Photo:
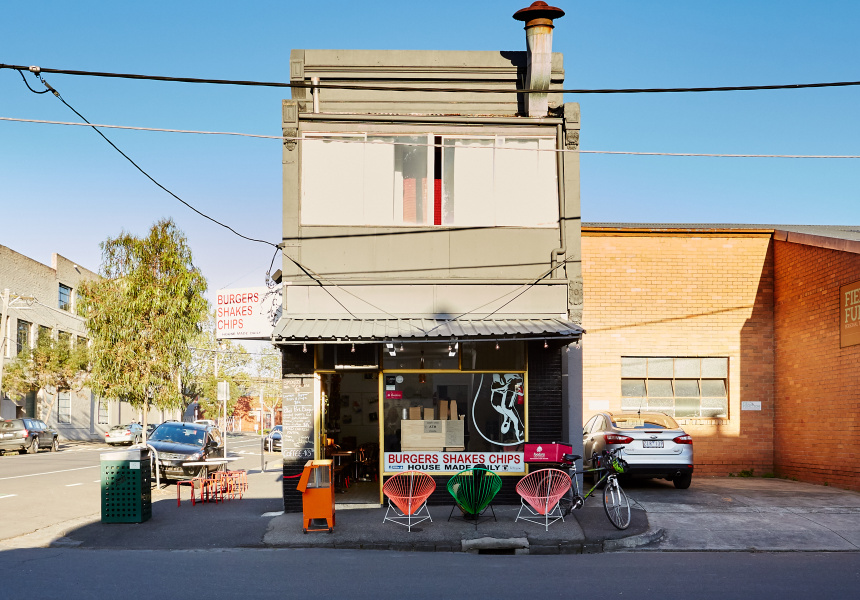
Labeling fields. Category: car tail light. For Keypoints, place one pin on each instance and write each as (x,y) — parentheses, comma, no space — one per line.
(26,433)
(614,438)
(683,439)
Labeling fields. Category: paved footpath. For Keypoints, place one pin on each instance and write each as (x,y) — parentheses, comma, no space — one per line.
(744,514)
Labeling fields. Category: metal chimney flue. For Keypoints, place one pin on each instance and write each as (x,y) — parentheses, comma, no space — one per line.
(538,19)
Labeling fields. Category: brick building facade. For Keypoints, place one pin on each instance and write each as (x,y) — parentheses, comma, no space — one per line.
(764,299)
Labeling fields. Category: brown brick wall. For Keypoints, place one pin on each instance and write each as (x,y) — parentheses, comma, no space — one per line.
(817,419)
(685,296)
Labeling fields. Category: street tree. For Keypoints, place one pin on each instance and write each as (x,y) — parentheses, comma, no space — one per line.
(52,365)
(142,315)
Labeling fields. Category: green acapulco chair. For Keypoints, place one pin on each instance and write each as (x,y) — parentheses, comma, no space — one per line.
(473,491)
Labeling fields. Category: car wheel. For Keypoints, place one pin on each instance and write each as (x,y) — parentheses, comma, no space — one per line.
(34,446)
(55,445)
(137,440)
(682,482)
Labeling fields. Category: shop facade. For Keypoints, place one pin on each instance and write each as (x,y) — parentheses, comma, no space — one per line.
(432,284)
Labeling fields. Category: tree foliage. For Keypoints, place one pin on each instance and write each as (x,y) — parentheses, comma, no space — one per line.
(52,365)
(142,315)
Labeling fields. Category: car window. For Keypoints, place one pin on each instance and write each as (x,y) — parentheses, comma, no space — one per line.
(179,434)
(5,424)
(598,424)
(587,427)
(42,425)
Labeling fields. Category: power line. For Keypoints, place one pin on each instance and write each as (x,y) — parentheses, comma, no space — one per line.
(347,140)
(341,86)
(153,180)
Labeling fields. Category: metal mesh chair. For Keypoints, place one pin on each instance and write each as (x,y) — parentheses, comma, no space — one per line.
(539,495)
(473,491)
(407,496)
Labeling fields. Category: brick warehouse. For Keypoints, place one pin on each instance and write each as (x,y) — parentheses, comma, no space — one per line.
(768,301)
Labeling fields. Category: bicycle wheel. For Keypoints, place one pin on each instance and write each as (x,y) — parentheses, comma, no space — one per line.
(616,504)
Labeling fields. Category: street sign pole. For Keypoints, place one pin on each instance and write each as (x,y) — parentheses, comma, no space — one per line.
(223,395)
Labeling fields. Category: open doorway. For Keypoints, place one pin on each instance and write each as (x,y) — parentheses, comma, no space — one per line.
(350,434)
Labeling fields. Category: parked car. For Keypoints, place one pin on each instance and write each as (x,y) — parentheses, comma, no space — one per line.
(130,433)
(179,443)
(27,435)
(150,427)
(273,438)
(652,443)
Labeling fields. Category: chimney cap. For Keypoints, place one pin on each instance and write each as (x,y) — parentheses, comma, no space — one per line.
(538,10)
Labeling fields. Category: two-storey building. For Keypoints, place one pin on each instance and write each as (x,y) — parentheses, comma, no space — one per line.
(431,272)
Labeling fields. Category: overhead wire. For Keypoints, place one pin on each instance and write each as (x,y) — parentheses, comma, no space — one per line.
(348,140)
(394,88)
(153,180)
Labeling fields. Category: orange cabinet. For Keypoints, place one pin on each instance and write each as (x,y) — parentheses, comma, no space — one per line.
(317,495)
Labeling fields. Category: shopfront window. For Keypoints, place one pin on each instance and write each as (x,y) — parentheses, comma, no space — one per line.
(471,412)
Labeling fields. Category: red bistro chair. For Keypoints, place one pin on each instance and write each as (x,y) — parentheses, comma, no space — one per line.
(407,496)
(539,495)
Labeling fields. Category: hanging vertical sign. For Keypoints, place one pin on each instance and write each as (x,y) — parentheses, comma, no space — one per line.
(849,314)
(297,437)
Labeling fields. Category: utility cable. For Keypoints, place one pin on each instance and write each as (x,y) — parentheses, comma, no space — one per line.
(422,144)
(341,86)
(152,179)
(138,167)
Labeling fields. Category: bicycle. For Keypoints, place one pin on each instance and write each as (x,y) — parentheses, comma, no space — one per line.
(615,501)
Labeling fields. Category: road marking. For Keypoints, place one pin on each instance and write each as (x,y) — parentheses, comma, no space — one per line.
(73,484)
(12,495)
(277,513)
(49,472)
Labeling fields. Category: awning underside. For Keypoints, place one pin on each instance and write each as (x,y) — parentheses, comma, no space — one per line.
(379,330)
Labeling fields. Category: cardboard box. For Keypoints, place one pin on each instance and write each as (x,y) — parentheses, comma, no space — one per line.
(452,407)
(443,410)
(422,435)
(415,413)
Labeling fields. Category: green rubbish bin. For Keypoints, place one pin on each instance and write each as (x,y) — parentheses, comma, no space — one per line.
(125,490)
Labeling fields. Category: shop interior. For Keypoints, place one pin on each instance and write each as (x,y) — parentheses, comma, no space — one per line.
(350,434)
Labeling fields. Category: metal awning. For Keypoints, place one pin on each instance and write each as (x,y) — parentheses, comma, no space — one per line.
(378,330)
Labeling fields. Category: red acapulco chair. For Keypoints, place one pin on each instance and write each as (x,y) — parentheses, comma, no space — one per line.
(540,492)
(407,496)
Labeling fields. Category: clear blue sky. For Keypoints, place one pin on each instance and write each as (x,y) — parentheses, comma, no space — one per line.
(62,189)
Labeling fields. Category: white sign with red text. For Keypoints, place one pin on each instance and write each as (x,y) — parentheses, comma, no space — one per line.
(247,313)
(452,462)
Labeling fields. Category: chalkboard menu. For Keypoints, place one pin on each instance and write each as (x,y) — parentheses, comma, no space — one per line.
(297,439)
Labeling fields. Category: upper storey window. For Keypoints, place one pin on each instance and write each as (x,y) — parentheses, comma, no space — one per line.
(65,297)
(426,180)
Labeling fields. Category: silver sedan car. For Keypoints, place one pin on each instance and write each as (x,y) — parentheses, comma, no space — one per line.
(653,444)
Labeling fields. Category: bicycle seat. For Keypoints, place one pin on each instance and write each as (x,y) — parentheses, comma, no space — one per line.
(571,457)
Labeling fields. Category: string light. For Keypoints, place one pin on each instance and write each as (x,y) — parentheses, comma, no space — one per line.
(305,348)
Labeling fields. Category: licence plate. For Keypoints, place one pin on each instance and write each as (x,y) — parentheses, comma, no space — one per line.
(652,443)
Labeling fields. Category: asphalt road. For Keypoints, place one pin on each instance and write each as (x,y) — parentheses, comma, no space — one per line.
(44,489)
(357,574)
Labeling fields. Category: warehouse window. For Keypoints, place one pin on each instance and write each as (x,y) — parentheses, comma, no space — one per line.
(64,407)
(23,335)
(103,412)
(682,387)
(65,296)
